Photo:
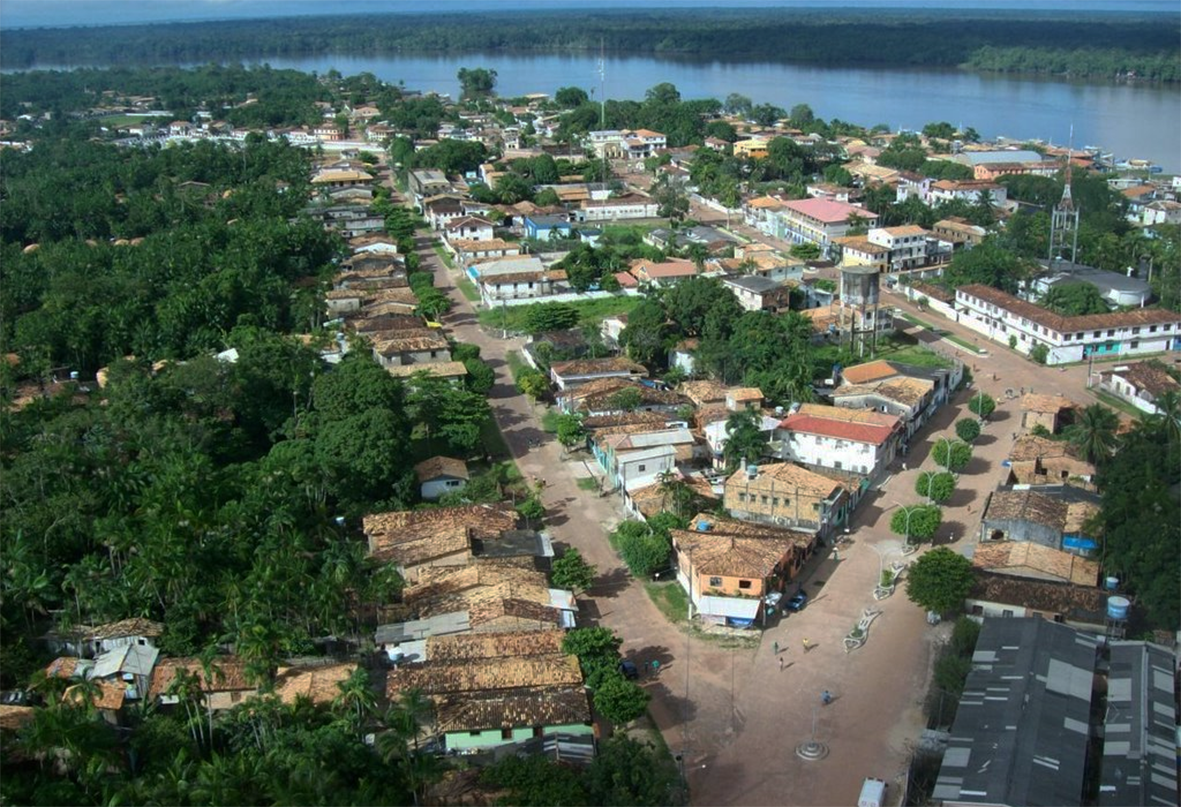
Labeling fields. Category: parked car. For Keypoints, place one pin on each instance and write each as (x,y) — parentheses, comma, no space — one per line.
(873,793)
(797,601)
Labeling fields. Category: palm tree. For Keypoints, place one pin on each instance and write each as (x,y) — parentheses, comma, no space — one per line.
(1167,416)
(356,699)
(1093,434)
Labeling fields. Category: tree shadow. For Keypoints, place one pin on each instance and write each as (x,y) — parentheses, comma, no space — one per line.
(984,440)
(608,584)
(977,465)
(961,497)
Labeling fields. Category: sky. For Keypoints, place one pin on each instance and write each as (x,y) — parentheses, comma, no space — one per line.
(36,13)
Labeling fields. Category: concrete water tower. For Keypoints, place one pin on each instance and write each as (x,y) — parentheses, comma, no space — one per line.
(860,295)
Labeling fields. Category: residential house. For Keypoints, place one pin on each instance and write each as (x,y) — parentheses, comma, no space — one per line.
(1053,516)
(570,374)
(858,250)
(222,683)
(469,228)
(382,244)
(627,143)
(543,349)
(417,540)
(760,260)
(441,211)
(1009,596)
(1066,339)
(666,273)
(453,372)
(496,595)
(1162,211)
(819,221)
(1037,460)
(729,567)
(1139,726)
(641,467)
(762,212)
(1141,384)
(628,206)
(492,694)
(469,252)
(911,392)
(681,356)
(541,227)
(441,475)
(412,347)
(714,240)
(856,441)
(128,667)
(967,190)
(426,182)
(906,245)
(752,148)
(601,397)
(339,178)
(501,285)
(348,220)
(959,231)
(1030,561)
(1051,412)
(716,436)
(787,495)
(319,684)
(1021,731)
(756,293)
(645,501)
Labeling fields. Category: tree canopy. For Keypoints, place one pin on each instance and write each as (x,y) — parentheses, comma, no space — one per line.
(940,580)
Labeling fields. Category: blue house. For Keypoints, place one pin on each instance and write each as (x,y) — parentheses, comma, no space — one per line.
(542,228)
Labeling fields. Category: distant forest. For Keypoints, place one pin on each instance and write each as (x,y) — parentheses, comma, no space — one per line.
(1083,45)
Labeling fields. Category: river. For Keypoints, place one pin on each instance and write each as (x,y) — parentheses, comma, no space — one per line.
(1128,119)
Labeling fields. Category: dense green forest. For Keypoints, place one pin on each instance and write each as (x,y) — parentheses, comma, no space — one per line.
(1092,45)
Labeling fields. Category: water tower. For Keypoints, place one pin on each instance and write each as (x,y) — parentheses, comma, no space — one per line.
(860,295)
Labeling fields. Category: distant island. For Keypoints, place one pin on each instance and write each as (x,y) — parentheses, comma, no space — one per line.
(1087,45)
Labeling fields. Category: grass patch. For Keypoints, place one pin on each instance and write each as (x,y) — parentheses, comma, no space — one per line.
(587,483)
(1115,403)
(515,363)
(549,420)
(494,442)
(444,256)
(590,312)
(964,343)
(626,232)
(671,599)
(467,289)
(922,323)
(122,120)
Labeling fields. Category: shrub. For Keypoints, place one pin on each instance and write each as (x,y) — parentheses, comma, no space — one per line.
(952,455)
(982,405)
(938,487)
(967,429)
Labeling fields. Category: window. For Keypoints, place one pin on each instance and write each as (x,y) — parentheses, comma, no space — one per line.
(1111,332)
(506,734)
(763,499)
(434,353)
(453,483)
(715,581)
(641,468)
(741,497)
(774,501)
(744,584)
(1136,330)
(837,465)
(1006,613)
(1152,329)
(1096,334)
(473,734)
(1135,344)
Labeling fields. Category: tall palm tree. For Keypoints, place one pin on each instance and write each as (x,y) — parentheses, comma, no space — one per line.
(1167,416)
(356,700)
(1093,434)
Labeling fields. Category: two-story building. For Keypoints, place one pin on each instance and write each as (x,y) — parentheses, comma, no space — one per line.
(819,221)
(787,495)
(860,441)
(729,567)
(417,346)
(1056,516)
(907,245)
(1000,316)
(759,293)
(628,206)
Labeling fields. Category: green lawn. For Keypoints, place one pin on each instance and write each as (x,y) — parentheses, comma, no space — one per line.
(616,232)
(964,343)
(549,421)
(468,289)
(588,483)
(512,318)
(913,320)
(515,363)
(121,120)
(1115,403)
(444,256)
(671,599)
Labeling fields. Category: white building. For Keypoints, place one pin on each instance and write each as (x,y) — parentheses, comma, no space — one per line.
(1000,316)
(907,245)
(859,441)
(638,468)
(819,221)
(631,206)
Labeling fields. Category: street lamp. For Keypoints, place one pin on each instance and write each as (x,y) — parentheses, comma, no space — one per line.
(908,511)
(947,456)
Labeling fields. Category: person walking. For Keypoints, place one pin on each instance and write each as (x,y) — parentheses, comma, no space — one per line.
(775,648)
(805,644)
(781,664)
(826,697)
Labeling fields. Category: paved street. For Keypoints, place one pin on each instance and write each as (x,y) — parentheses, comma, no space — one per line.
(743,717)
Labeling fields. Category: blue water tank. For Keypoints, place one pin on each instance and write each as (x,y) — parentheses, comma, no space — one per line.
(703,526)
(1117,607)
(1111,583)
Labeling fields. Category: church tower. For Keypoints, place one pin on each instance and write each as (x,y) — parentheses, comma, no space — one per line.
(1064,218)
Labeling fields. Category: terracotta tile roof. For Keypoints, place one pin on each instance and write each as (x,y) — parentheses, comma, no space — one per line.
(1147,377)
(703,392)
(556,706)
(106,696)
(124,628)
(1032,447)
(828,211)
(436,678)
(1074,602)
(385,324)
(638,418)
(933,292)
(63,667)
(438,369)
(441,466)
(652,499)
(1077,516)
(228,675)
(906,391)
(870,371)
(469,245)
(1137,191)
(409,536)
(670,268)
(785,476)
(904,230)
(404,296)
(14,717)
(469,647)
(766,203)
(1048,404)
(1027,559)
(1026,505)
(859,243)
(857,432)
(745,394)
(1117,319)
(737,548)
(318,684)
(502,574)
(597,393)
(412,341)
(592,366)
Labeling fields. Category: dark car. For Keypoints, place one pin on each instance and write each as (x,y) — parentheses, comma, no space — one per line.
(797,601)
(629,669)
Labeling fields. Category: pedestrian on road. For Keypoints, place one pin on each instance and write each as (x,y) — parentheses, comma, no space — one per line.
(836,555)
(775,648)
(805,644)
(826,697)
(904,465)
(781,664)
